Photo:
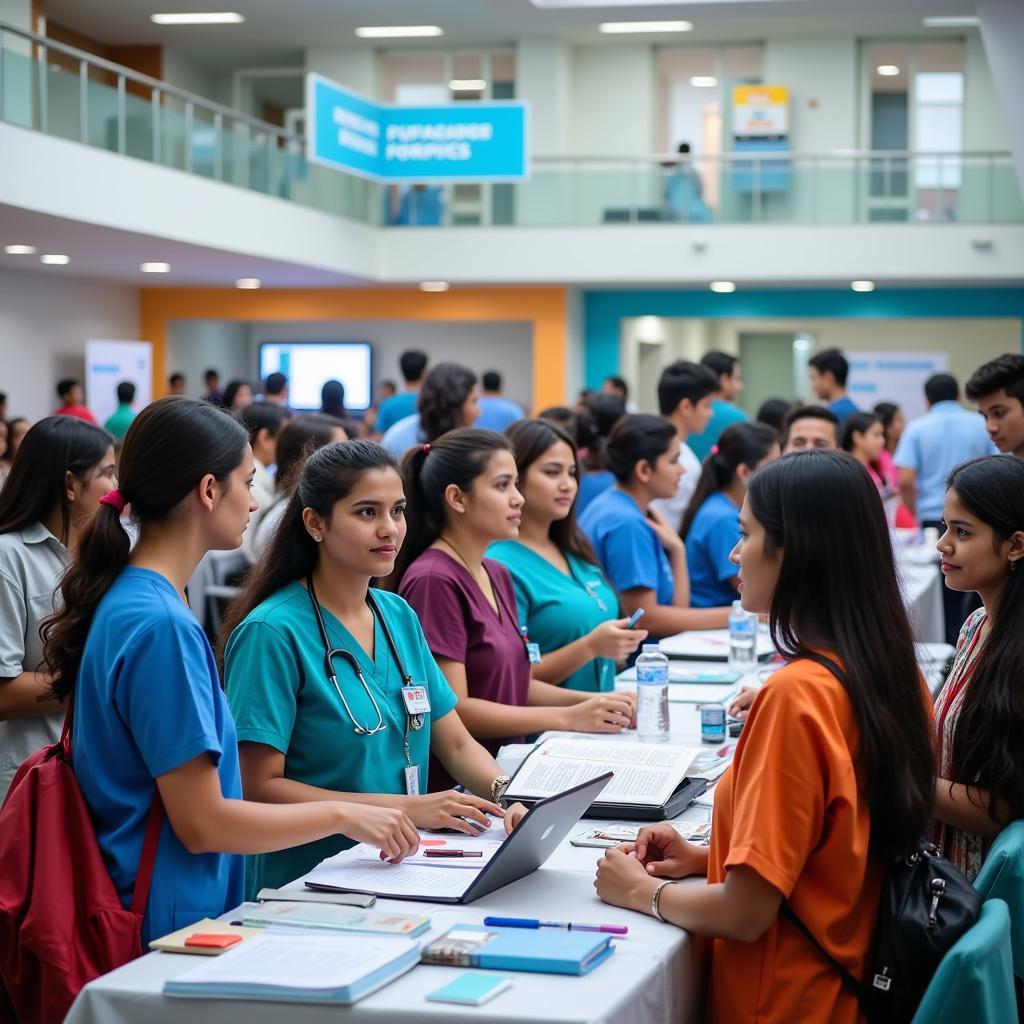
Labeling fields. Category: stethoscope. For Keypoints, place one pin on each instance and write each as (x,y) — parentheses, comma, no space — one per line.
(414,722)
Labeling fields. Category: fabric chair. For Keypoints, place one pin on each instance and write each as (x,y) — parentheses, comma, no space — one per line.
(1002,877)
(974,981)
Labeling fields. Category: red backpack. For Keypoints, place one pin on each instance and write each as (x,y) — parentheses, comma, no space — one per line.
(61,921)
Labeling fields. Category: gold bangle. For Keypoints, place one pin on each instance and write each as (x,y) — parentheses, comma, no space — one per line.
(656,897)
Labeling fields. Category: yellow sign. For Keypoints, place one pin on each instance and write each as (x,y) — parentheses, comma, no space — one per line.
(759,110)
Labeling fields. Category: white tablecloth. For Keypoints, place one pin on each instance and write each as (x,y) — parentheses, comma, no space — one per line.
(922,592)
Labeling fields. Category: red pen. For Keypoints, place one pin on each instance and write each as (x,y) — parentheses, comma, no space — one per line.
(453,853)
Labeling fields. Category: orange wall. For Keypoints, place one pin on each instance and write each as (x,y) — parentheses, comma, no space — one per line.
(544,308)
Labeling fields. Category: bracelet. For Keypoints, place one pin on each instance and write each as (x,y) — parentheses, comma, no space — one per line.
(498,787)
(655,898)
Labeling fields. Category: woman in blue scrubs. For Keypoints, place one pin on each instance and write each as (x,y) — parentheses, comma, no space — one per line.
(363,736)
(150,722)
(565,602)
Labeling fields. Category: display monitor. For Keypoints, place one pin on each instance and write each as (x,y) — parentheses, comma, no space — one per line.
(308,365)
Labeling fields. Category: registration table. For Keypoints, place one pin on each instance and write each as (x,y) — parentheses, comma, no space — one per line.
(654,976)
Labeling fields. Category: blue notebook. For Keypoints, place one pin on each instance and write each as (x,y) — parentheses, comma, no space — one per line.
(542,950)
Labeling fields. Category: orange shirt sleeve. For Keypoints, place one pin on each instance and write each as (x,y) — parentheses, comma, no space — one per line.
(780,781)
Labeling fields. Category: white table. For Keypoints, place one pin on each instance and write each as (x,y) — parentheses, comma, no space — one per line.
(922,592)
(654,976)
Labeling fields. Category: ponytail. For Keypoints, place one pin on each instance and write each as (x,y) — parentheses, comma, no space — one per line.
(742,444)
(170,446)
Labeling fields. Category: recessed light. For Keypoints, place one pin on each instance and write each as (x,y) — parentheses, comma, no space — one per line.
(434,286)
(398,31)
(155,268)
(723,286)
(888,70)
(19,250)
(199,18)
(862,286)
(467,85)
(953,21)
(54,259)
(248,282)
(624,27)
(703,81)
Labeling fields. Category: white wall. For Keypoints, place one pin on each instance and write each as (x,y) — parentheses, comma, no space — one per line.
(194,346)
(355,69)
(45,321)
(612,100)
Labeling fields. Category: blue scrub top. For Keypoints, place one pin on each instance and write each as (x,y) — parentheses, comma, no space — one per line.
(723,414)
(279,692)
(626,545)
(591,485)
(713,534)
(497,413)
(396,408)
(147,700)
(844,407)
(557,609)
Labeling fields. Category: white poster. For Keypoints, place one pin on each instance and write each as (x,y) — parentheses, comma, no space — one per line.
(893,377)
(107,363)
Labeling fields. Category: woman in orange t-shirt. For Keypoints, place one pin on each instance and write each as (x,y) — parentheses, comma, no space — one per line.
(829,781)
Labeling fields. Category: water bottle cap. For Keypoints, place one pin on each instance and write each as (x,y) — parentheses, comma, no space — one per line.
(737,606)
(652,649)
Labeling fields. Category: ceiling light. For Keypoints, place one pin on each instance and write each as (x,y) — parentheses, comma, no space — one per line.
(398,31)
(623,27)
(953,21)
(155,268)
(19,250)
(467,85)
(434,286)
(54,259)
(248,282)
(199,18)
(888,70)
(724,287)
(703,81)
(862,286)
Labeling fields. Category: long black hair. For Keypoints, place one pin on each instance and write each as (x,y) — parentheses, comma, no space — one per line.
(530,440)
(637,438)
(37,483)
(170,446)
(332,399)
(445,390)
(987,738)
(458,457)
(328,476)
(300,436)
(837,592)
(742,444)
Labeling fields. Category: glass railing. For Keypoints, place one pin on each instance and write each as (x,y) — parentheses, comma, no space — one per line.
(68,93)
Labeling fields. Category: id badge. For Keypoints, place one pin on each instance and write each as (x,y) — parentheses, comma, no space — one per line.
(533,653)
(416,700)
(412,780)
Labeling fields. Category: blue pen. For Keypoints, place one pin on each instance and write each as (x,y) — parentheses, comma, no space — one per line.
(635,618)
(569,926)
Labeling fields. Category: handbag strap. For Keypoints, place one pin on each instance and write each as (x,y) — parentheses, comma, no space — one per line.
(147,861)
(856,987)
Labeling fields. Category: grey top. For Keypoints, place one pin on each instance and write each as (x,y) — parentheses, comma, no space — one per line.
(31,563)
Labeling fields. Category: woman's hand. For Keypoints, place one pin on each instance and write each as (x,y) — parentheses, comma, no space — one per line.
(387,828)
(669,537)
(612,639)
(514,814)
(606,712)
(664,853)
(448,808)
(740,707)
(622,881)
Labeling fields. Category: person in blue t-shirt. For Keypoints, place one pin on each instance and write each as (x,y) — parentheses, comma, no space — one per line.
(711,526)
(828,371)
(448,399)
(497,413)
(642,554)
(413,364)
(724,413)
(150,721)
(307,737)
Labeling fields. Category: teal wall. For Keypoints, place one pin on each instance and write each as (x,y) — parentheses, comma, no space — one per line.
(604,310)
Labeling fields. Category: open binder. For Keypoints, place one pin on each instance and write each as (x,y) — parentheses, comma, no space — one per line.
(650,782)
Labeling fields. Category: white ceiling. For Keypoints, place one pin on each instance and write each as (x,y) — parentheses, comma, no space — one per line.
(276,30)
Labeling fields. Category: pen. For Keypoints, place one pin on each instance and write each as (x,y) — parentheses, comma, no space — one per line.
(569,926)
(635,618)
(453,853)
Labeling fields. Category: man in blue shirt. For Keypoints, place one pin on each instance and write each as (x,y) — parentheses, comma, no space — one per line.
(723,413)
(928,449)
(413,365)
(496,412)
(828,371)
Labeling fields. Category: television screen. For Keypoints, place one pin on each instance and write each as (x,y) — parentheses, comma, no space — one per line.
(308,365)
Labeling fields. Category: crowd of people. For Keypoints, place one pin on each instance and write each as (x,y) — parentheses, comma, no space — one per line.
(496,560)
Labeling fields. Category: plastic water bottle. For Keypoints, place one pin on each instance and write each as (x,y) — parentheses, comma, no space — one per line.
(742,640)
(652,723)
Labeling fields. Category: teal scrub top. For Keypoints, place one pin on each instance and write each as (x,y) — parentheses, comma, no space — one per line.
(557,609)
(280,695)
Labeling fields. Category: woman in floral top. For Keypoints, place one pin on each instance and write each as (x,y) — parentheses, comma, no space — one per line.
(979,715)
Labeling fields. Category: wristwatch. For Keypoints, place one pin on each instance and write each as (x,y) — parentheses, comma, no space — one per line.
(498,787)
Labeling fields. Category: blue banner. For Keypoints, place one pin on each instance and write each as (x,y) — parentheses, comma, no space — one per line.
(450,142)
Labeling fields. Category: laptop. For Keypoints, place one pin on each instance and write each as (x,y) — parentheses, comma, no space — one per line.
(545,825)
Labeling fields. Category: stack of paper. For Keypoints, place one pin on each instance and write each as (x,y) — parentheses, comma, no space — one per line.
(327,917)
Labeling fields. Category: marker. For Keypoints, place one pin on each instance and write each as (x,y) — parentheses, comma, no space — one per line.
(569,926)
(453,853)
(635,618)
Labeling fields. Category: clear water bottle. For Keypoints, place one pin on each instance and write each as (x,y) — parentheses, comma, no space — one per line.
(742,640)
(652,723)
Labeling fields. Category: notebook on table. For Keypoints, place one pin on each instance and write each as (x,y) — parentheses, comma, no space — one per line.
(710,645)
(325,917)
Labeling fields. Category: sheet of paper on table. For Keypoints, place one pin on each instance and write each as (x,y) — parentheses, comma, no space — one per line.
(487,844)
(347,871)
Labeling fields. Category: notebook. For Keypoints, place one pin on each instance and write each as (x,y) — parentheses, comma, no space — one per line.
(289,967)
(710,645)
(175,942)
(325,917)
(540,950)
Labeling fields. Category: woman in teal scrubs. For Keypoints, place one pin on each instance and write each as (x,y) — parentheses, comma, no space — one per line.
(304,736)
(565,602)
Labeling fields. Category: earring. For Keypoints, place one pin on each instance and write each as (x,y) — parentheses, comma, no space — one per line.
(317,537)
